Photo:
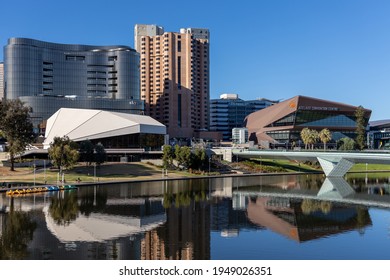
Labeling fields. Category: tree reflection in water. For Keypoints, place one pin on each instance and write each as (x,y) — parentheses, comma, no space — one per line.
(17,233)
(92,200)
(64,209)
(309,206)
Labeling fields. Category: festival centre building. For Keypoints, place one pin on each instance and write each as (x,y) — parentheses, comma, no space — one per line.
(280,125)
(121,134)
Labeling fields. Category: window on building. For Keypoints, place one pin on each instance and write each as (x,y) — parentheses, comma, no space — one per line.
(179,46)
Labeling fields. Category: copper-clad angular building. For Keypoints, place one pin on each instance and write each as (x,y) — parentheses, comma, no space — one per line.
(282,123)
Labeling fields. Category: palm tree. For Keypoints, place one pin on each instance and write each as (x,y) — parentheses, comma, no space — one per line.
(312,137)
(325,136)
(305,135)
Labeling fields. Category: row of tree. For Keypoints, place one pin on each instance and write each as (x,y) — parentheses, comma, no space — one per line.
(65,153)
(185,157)
(311,136)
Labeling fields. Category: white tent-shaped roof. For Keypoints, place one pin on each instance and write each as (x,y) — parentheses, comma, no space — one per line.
(99,227)
(83,124)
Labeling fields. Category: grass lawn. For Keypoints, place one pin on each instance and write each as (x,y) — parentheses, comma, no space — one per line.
(106,172)
(362,167)
(288,165)
(292,166)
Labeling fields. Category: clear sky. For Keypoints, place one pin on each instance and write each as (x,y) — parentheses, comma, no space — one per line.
(330,49)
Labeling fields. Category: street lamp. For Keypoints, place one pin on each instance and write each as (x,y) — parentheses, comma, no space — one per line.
(34,171)
(94,171)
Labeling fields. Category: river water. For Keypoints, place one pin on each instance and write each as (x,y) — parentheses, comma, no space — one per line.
(274,217)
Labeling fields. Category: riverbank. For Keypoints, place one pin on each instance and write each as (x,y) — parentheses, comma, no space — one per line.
(111,173)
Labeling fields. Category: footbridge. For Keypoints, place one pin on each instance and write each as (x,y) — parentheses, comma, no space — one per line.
(334,164)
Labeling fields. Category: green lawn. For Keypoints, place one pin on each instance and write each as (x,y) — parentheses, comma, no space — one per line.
(292,166)
(361,167)
(285,165)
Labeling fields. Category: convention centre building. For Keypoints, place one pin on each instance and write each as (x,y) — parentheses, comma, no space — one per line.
(280,125)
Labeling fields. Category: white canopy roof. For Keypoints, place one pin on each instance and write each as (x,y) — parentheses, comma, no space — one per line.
(101,227)
(83,124)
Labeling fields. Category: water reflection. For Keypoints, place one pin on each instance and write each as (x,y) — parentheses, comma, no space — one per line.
(178,219)
(307,219)
(17,231)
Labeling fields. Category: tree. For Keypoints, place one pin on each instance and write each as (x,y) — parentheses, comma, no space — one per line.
(167,158)
(325,136)
(200,159)
(347,144)
(16,127)
(63,152)
(313,137)
(305,135)
(100,154)
(309,137)
(177,153)
(183,155)
(186,156)
(360,127)
(87,151)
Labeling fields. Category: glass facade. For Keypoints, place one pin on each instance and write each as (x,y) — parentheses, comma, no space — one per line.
(149,142)
(379,135)
(342,124)
(49,76)
(281,124)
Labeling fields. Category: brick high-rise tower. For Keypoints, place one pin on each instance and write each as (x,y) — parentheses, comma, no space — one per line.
(174,71)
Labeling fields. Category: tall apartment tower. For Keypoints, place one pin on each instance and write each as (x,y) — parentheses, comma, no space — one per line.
(174,71)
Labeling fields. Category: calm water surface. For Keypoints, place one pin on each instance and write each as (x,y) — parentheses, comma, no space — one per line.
(256,217)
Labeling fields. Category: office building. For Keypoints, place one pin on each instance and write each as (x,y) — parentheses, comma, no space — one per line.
(174,70)
(282,123)
(229,112)
(49,76)
(378,136)
(239,135)
(1,80)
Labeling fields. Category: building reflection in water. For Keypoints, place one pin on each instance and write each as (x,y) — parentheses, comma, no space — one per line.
(185,235)
(303,220)
(174,220)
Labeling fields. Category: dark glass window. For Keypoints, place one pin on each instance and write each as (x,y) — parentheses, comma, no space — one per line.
(179,46)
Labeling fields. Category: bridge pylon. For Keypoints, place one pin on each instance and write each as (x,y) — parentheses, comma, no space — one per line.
(335,167)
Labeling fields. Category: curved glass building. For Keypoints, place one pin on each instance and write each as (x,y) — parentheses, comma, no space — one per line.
(49,76)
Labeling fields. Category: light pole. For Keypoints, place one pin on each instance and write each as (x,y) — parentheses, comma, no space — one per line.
(44,170)
(34,171)
(94,171)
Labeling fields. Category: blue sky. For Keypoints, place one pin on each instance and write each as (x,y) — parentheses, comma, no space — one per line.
(330,49)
